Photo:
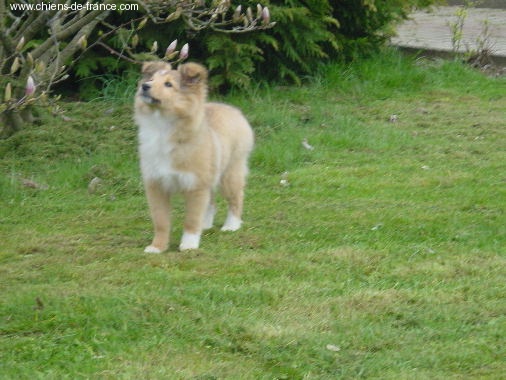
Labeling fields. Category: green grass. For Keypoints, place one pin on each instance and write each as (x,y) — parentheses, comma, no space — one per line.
(383,258)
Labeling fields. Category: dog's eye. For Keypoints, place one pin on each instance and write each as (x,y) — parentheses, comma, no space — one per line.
(168,84)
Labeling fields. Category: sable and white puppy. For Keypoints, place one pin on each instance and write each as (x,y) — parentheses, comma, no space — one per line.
(190,146)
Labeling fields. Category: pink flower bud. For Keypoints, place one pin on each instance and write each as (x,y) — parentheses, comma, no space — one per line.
(30,86)
(171,48)
(266,16)
(184,52)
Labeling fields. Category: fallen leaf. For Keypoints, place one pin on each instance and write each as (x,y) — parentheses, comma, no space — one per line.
(306,145)
(333,348)
(33,185)
(377,227)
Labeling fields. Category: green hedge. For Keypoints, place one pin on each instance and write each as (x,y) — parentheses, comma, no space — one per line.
(308,33)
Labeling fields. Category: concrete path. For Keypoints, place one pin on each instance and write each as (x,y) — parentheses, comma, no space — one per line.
(430,31)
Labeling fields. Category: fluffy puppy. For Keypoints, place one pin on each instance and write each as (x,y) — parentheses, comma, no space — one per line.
(190,146)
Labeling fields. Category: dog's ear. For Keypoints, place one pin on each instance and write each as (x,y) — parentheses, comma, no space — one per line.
(151,67)
(193,74)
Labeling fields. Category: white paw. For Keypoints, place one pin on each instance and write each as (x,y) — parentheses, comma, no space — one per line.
(189,241)
(152,249)
(233,223)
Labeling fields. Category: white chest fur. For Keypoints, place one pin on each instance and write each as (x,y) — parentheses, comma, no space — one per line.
(155,149)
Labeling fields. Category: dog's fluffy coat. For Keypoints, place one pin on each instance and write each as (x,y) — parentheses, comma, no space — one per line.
(190,146)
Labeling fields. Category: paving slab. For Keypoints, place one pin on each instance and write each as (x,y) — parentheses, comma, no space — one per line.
(431,31)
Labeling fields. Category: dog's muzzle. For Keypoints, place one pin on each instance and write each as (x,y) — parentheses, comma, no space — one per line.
(145,95)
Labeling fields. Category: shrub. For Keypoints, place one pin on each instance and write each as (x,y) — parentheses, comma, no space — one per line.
(39,44)
(302,38)
(308,33)
(365,25)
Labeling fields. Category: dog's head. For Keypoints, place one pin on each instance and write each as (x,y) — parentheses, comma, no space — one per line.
(172,91)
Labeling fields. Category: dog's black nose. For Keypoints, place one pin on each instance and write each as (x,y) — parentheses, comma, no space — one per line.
(146,87)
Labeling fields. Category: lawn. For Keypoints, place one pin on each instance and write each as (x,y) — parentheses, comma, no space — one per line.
(378,254)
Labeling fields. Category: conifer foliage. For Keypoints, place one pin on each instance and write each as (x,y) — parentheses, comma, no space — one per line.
(308,33)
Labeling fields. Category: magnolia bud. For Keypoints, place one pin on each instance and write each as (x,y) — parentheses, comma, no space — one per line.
(249,14)
(237,13)
(20,44)
(154,48)
(30,86)
(135,40)
(174,15)
(29,59)
(171,48)
(259,11)
(15,65)
(266,17)
(40,66)
(142,24)
(82,42)
(184,52)
(8,92)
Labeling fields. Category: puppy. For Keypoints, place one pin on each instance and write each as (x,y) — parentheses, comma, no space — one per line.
(189,146)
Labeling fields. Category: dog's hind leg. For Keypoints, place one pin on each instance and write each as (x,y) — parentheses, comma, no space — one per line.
(232,188)
(159,206)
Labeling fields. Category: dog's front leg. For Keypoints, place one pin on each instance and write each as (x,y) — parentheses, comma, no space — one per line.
(159,207)
(196,203)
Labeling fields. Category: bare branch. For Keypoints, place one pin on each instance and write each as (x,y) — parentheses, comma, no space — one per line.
(73,45)
(118,54)
(27,70)
(67,32)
